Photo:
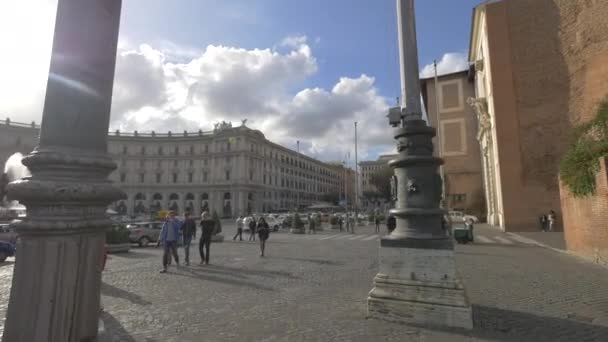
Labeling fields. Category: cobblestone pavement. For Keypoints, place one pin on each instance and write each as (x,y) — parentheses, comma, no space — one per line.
(314,288)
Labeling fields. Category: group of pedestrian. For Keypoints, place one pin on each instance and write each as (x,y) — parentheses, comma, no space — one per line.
(170,234)
(547,221)
(259,227)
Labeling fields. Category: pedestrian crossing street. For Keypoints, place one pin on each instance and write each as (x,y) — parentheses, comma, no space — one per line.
(505,239)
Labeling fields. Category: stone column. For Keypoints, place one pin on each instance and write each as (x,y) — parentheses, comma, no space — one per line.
(57,275)
(417,281)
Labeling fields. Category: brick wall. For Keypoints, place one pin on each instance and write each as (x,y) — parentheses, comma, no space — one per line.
(553,77)
(586,220)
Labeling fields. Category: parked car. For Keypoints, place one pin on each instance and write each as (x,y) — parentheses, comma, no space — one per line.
(456,216)
(473,218)
(273,223)
(7,249)
(143,233)
(7,233)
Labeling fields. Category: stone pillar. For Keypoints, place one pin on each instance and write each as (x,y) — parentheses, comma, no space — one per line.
(417,281)
(55,291)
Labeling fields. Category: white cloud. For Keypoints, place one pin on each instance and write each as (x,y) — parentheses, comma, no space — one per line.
(153,90)
(294,41)
(449,63)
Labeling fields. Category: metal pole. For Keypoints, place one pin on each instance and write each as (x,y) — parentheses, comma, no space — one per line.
(356,182)
(297,179)
(439,137)
(408,60)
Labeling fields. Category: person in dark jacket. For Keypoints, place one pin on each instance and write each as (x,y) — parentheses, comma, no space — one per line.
(252,226)
(189,233)
(263,233)
(391,223)
(543,222)
(207,228)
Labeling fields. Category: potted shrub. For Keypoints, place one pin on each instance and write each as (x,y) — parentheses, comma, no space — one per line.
(297,226)
(117,239)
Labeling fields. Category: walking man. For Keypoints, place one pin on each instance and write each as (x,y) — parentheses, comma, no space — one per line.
(551,220)
(391,223)
(252,226)
(311,225)
(168,237)
(543,222)
(207,228)
(340,222)
(377,221)
(239,229)
(189,232)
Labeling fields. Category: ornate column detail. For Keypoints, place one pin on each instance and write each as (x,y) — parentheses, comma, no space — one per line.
(56,281)
(484,121)
(417,282)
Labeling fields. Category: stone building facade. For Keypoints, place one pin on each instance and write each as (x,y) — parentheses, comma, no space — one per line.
(540,68)
(231,170)
(456,140)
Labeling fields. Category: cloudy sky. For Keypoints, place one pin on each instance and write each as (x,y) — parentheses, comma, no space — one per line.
(297,70)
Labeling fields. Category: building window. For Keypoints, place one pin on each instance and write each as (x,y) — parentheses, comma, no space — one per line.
(227,175)
(205,162)
(191,149)
(450,96)
(251,175)
(190,176)
(142,177)
(453,137)
(124,150)
(160,150)
(158,178)
(458,198)
(264,179)
(175,178)
(228,159)
(251,147)
(176,150)
(123,177)
(143,150)
(159,163)
(175,162)
(228,146)
(205,177)
(206,148)
(142,163)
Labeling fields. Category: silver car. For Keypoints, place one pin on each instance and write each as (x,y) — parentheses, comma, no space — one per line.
(143,233)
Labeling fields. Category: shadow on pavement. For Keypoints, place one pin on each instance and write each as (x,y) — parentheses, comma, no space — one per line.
(112,291)
(113,330)
(314,261)
(201,275)
(522,326)
(135,253)
(7,263)
(505,325)
(262,273)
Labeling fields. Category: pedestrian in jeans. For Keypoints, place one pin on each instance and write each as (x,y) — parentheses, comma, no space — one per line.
(263,233)
(391,223)
(543,222)
(207,228)
(311,225)
(340,223)
(239,229)
(252,225)
(189,232)
(168,237)
(551,220)
(377,221)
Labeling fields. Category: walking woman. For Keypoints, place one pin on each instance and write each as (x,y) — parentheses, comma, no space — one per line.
(263,232)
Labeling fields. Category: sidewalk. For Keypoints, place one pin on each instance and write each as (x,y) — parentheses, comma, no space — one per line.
(553,240)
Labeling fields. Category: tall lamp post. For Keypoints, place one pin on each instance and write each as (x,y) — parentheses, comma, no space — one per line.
(417,281)
(356,183)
